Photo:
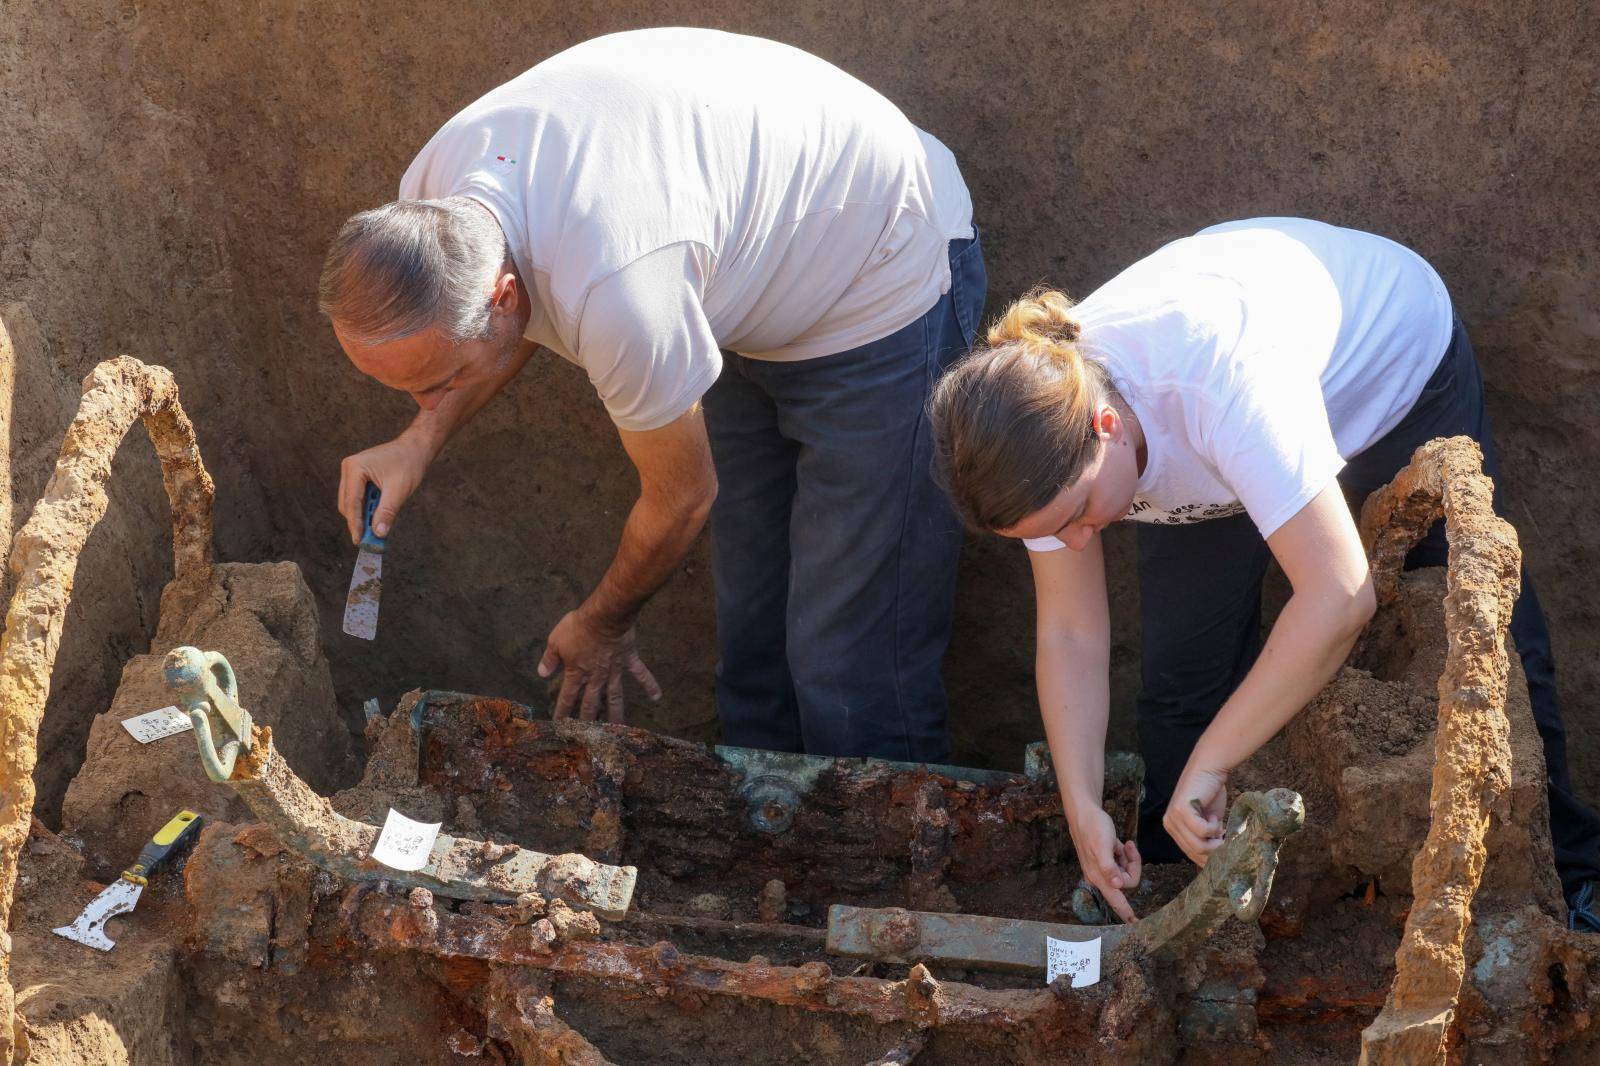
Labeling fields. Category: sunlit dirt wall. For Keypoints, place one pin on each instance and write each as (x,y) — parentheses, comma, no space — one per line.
(172,171)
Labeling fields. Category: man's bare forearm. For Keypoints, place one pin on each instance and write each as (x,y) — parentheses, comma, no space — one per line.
(655,539)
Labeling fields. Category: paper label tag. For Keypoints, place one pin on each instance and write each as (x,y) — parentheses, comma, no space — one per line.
(153,725)
(1080,958)
(404,844)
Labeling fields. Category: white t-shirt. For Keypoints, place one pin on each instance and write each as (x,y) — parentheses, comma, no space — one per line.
(670,192)
(1258,357)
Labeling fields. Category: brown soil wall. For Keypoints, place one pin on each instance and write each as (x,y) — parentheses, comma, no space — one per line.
(172,173)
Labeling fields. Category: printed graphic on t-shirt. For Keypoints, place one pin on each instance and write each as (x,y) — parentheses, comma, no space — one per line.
(1144,511)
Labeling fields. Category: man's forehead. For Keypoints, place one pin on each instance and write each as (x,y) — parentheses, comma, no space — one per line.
(409,361)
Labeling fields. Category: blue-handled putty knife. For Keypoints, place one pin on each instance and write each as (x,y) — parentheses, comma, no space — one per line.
(361,606)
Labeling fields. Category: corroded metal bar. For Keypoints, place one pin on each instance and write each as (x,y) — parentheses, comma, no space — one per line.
(919,1000)
(458,867)
(975,942)
(1236,880)
(522,1013)
(1472,749)
(45,558)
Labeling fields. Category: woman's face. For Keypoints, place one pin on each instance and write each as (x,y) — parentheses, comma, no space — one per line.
(1101,495)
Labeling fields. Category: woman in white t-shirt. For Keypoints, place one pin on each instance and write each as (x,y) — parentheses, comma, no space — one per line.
(1228,392)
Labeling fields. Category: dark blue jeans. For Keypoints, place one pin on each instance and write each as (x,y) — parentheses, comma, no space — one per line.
(833,550)
(1201,611)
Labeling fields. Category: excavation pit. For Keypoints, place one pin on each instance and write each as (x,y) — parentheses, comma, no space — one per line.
(285,938)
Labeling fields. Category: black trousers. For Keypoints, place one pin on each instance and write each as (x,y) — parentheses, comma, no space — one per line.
(1201,613)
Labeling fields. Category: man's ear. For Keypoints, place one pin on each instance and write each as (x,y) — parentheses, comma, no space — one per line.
(507,292)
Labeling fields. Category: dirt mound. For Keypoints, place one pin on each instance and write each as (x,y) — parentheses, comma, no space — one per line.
(263,618)
(1362,755)
(125,1007)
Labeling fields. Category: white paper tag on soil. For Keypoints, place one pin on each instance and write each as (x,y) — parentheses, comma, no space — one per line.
(1080,958)
(404,844)
(153,725)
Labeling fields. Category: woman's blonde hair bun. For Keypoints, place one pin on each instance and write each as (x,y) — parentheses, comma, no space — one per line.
(1013,423)
(1043,317)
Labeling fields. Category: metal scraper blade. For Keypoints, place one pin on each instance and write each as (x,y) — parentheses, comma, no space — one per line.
(361,606)
(89,928)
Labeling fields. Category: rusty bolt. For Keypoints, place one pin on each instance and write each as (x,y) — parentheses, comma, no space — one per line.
(896,933)
(541,934)
(773,902)
(420,898)
(812,977)
(665,955)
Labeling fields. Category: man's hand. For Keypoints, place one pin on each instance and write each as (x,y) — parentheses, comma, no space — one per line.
(1196,816)
(395,467)
(1111,865)
(591,659)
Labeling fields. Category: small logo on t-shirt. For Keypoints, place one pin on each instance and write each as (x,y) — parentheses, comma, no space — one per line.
(504,162)
(1143,511)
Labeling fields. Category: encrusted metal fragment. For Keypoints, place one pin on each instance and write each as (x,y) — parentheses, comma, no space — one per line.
(208,692)
(921,1001)
(1472,749)
(44,557)
(975,942)
(1236,881)
(457,867)
(522,1013)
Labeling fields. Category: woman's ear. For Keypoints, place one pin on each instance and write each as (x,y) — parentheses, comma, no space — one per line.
(1107,422)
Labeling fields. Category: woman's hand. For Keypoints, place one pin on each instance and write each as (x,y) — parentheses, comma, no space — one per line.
(1111,865)
(1196,816)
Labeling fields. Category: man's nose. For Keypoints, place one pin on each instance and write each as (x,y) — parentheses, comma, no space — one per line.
(1078,539)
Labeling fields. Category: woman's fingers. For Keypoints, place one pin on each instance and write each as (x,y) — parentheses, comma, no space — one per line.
(1132,865)
(1196,834)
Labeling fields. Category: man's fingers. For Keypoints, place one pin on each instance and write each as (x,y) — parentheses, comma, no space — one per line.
(571,688)
(592,691)
(383,518)
(641,673)
(614,699)
(351,484)
(550,661)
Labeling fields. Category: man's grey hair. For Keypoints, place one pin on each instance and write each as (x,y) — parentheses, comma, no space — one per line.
(398,269)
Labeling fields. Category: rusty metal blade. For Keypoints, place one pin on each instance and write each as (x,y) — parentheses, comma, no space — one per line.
(361,606)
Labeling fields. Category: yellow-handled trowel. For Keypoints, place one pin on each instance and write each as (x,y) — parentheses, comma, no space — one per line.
(122,895)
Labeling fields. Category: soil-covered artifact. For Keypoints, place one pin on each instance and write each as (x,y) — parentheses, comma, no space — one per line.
(722,956)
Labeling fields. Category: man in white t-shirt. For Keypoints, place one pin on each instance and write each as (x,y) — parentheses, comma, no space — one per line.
(763,267)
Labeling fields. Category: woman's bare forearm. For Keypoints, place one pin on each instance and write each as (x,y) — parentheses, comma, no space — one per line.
(1307,645)
(1075,701)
